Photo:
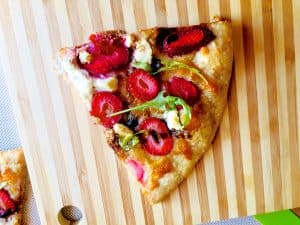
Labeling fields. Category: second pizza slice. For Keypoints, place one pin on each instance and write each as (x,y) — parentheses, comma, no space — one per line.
(159,93)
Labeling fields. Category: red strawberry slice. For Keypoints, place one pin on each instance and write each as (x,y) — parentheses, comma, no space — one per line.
(108,53)
(158,141)
(6,203)
(186,39)
(184,89)
(142,85)
(103,104)
(138,170)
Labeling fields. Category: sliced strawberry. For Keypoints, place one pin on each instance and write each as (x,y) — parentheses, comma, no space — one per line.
(184,89)
(138,170)
(108,53)
(142,85)
(186,39)
(6,203)
(158,140)
(103,104)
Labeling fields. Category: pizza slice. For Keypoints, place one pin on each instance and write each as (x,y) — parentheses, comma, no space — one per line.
(159,93)
(12,181)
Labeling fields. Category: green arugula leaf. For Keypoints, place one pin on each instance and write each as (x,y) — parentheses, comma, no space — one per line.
(128,142)
(142,65)
(165,103)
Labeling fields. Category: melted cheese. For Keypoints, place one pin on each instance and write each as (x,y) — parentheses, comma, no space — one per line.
(172,119)
(80,79)
(84,57)
(108,84)
(143,52)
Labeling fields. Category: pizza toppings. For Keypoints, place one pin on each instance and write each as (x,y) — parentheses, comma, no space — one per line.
(137,169)
(173,120)
(143,52)
(157,138)
(108,53)
(104,104)
(127,139)
(7,205)
(182,88)
(84,57)
(106,84)
(142,85)
(169,65)
(184,40)
(164,103)
(179,43)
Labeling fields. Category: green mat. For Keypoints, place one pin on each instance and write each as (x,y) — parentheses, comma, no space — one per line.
(285,217)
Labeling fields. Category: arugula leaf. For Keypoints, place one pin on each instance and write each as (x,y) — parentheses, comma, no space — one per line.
(175,65)
(128,142)
(142,65)
(165,103)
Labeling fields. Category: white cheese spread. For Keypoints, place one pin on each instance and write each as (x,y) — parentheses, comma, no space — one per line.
(80,80)
(107,84)
(172,119)
(143,52)
(85,57)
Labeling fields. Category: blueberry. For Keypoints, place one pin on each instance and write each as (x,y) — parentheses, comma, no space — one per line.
(131,121)
(155,64)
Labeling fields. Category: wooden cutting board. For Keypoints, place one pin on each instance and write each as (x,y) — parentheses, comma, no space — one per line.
(253,165)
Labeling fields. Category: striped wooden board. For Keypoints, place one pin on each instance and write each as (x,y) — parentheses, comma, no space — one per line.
(253,165)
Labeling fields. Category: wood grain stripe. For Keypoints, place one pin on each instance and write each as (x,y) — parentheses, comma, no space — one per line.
(149,7)
(182,13)
(291,94)
(241,86)
(220,178)
(272,99)
(160,9)
(252,103)
(228,167)
(203,196)
(236,148)
(282,98)
(296,16)
(192,12)
(140,14)
(211,185)
(262,101)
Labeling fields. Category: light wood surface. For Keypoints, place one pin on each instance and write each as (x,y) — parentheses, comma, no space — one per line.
(254,163)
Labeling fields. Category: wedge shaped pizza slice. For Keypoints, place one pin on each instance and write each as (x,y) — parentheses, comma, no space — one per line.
(160,94)
(12,181)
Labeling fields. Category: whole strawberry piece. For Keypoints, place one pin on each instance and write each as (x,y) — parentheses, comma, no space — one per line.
(183,88)
(186,39)
(157,138)
(103,104)
(6,203)
(142,85)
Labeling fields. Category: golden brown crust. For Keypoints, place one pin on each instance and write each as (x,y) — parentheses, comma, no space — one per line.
(12,179)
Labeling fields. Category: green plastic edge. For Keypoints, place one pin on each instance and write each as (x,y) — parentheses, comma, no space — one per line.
(285,217)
